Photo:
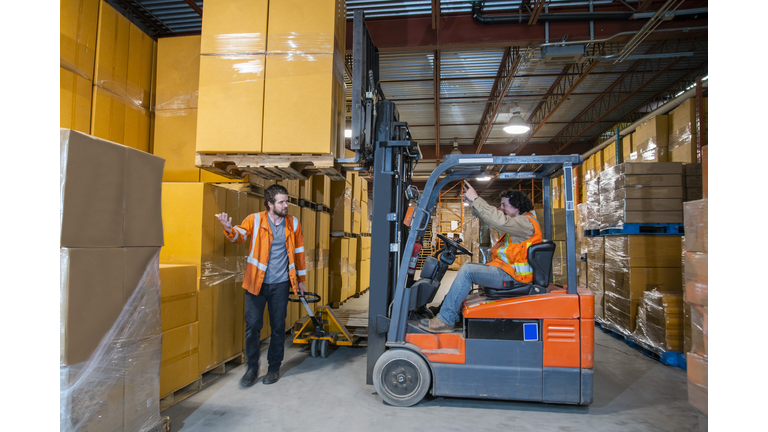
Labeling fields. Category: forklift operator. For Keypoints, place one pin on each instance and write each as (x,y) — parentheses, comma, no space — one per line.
(509,264)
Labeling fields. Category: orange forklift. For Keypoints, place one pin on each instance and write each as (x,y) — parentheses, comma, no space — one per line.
(530,343)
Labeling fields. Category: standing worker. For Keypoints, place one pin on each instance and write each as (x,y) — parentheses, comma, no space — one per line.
(509,265)
(275,264)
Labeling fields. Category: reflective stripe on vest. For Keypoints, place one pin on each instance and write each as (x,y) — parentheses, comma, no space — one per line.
(256,262)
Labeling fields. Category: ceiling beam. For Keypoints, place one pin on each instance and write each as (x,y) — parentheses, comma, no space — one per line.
(194,6)
(460,31)
(568,85)
(509,64)
(436,15)
(537,8)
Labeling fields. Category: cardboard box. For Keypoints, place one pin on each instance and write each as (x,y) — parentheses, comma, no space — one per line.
(627,148)
(179,363)
(696,226)
(631,283)
(178,295)
(625,251)
(697,278)
(305,189)
(311,84)
(75,101)
(651,140)
(90,402)
(231,95)
(354,245)
(77,43)
(178,73)
(321,190)
(699,329)
(649,193)
(220,319)
(339,255)
(316,27)
(682,132)
(595,271)
(341,207)
(235,27)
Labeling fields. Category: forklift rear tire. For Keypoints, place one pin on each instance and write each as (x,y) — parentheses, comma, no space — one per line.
(401,377)
(313,348)
(324,345)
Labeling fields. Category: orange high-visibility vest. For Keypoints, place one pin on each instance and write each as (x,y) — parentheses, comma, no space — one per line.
(261,241)
(513,257)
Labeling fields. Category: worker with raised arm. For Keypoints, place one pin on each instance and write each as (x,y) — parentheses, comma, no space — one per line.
(274,266)
(516,220)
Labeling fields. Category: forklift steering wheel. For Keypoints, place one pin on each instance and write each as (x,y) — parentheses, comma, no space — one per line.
(310,297)
(462,250)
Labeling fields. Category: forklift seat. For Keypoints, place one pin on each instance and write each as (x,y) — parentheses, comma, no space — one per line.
(540,259)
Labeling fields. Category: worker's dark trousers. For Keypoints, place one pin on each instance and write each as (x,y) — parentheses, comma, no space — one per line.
(275,296)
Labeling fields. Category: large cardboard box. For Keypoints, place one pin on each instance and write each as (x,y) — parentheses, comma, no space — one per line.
(310,84)
(179,363)
(627,148)
(178,72)
(90,402)
(231,95)
(651,140)
(321,190)
(110,194)
(354,245)
(682,133)
(595,271)
(77,44)
(235,27)
(178,295)
(193,233)
(122,96)
(142,383)
(341,207)
(96,285)
(298,26)
(220,319)
(625,251)
(631,283)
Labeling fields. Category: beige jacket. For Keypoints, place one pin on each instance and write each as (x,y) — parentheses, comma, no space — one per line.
(518,228)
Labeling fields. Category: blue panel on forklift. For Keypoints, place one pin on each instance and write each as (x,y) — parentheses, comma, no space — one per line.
(493,369)
(587,380)
(530,331)
(562,385)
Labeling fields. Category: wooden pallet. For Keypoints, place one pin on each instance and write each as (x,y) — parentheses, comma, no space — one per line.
(270,166)
(212,374)
(164,425)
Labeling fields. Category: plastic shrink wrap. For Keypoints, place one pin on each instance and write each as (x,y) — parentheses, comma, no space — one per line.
(117,387)
(660,318)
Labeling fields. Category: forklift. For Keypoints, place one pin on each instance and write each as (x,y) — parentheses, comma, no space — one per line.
(533,343)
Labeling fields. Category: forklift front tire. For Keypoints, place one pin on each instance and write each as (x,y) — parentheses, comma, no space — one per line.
(401,377)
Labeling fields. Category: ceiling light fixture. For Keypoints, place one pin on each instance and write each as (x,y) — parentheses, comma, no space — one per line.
(455,150)
(516,124)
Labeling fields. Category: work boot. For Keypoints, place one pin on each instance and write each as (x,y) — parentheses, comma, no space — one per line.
(272,377)
(249,378)
(436,325)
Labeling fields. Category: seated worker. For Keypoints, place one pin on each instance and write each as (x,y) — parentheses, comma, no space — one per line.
(517,221)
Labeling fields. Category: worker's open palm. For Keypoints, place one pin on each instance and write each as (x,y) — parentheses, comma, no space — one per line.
(469,194)
(225,220)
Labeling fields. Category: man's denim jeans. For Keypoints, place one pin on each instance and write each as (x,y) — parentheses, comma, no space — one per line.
(469,273)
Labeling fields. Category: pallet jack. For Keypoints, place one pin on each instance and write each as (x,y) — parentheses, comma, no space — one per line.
(322,329)
(530,344)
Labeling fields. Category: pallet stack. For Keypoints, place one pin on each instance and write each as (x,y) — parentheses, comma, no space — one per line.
(106,74)
(110,237)
(271,78)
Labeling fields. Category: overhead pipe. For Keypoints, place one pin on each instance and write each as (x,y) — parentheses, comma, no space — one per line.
(667,107)
(478,16)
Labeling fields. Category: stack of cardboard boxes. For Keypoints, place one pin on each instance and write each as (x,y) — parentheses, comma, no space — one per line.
(635,264)
(110,235)
(272,77)
(636,192)
(696,297)
(660,320)
(106,74)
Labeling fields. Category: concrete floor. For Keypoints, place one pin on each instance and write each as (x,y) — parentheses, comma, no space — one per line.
(631,393)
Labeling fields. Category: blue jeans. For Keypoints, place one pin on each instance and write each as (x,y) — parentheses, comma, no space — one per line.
(275,297)
(469,273)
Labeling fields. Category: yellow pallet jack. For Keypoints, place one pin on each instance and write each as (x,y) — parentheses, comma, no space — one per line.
(322,329)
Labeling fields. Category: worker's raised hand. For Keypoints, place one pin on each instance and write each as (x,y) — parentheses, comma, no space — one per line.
(226,221)
(469,195)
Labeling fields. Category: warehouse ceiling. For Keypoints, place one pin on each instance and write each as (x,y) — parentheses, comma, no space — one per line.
(574,69)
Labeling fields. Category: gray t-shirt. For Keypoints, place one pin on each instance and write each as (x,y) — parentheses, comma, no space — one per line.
(277,268)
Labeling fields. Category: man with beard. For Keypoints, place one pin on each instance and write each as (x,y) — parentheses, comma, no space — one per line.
(275,264)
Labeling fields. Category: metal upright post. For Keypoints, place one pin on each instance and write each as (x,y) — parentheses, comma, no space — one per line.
(618,145)
(546,184)
(570,228)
